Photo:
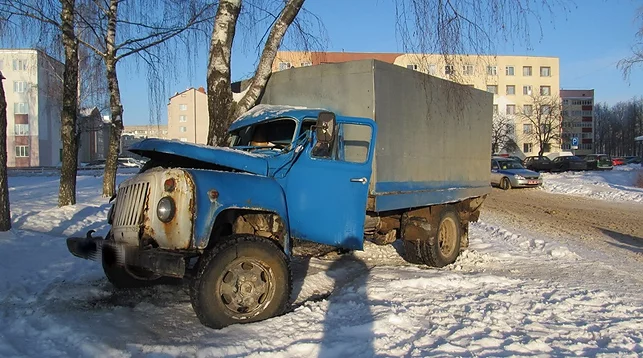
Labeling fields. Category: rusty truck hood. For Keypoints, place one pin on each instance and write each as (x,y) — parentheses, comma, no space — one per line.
(175,151)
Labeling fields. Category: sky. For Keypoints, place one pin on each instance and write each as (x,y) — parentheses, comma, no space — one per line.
(589,38)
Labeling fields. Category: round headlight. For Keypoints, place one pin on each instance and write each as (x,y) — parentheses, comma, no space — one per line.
(165,209)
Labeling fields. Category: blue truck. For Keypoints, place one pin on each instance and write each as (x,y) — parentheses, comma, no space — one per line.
(333,155)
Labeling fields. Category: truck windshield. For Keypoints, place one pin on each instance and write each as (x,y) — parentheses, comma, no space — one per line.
(275,133)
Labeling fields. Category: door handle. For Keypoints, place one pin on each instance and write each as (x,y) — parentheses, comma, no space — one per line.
(358,180)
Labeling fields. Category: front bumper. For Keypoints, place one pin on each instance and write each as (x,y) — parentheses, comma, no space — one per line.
(158,261)
(525,183)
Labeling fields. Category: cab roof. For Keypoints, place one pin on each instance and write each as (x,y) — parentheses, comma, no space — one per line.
(264,112)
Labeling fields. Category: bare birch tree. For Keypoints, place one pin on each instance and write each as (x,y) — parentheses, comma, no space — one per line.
(221,107)
(5,210)
(55,20)
(636,59)
(544,115)
(117,29)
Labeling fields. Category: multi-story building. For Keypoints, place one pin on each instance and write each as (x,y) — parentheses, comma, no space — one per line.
(578,120)
(147,131)
(33,86)
(514,80)
(187,116)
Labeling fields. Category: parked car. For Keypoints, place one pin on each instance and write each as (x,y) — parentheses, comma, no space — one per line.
(618,161)
(129,163)
(632,160)
(569,162)
(95,164)
(598,162)
(507,173)
(536,163)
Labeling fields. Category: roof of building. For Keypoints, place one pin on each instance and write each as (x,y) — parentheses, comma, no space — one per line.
(200,89)
(588,93)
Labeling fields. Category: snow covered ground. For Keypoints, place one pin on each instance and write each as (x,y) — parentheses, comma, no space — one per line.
(512,293)
(618,184)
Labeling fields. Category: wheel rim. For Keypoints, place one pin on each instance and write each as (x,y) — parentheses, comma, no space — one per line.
(246,286)
(505,183)
(447,236)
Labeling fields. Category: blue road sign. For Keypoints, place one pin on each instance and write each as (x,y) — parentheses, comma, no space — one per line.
(575,141)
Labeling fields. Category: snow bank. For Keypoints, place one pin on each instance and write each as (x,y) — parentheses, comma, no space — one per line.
(616,185)
(508,294)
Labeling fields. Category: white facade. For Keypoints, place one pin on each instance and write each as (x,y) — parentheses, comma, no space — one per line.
(33,88)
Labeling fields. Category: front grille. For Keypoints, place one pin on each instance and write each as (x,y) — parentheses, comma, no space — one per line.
(130,203)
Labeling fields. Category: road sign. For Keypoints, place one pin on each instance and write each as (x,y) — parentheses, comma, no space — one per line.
(574,142)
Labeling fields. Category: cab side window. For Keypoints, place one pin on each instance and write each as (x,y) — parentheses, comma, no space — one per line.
(352,144)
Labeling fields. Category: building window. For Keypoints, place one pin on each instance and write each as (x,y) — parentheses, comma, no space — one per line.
(20,108)
(545,90)
(565,101)
(433,69)
(183,118)
(412,66)
(306,64)
(183,139)
(22,151)
(21,129)
(20,86)
(527,147)
(492,70)
(467,69)
(527,128)
(545,72)
(526,90)
(526,71)
(546,110)
(511,109)
(586,113)
(183,129)
(527,109)
(509,71)
(183,107)
(448,70)
(284,66)
(492,88)
(511,89)
(495,108)
(19,65)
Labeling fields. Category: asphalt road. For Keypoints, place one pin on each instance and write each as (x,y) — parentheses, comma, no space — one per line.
(614,227)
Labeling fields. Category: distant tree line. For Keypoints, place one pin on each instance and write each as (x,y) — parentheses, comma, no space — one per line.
(616,127)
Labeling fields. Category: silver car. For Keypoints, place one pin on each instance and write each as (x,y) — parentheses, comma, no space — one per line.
(507,174)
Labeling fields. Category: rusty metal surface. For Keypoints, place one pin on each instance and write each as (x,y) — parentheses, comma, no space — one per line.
(136,222)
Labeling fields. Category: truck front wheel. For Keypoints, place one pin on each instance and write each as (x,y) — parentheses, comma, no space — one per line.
(242,279)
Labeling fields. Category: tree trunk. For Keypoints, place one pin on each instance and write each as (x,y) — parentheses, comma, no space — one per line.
(115,105)
(67,191)
(220,103)
(5,211)
(222,109)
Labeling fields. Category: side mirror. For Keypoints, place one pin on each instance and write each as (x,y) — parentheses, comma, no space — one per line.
(325,127)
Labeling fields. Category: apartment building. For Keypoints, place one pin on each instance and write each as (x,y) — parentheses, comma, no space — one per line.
(578,120)
(187,116)
(146,131)
(33,86)
(514,80)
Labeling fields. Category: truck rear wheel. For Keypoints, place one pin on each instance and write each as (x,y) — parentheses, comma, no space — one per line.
(441,249)
(243,279)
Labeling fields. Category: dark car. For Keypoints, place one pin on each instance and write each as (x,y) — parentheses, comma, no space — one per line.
(632,160)
(539,164)
(598,162)
(571,162)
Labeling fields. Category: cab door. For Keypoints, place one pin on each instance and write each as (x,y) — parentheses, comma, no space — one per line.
(327,193)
